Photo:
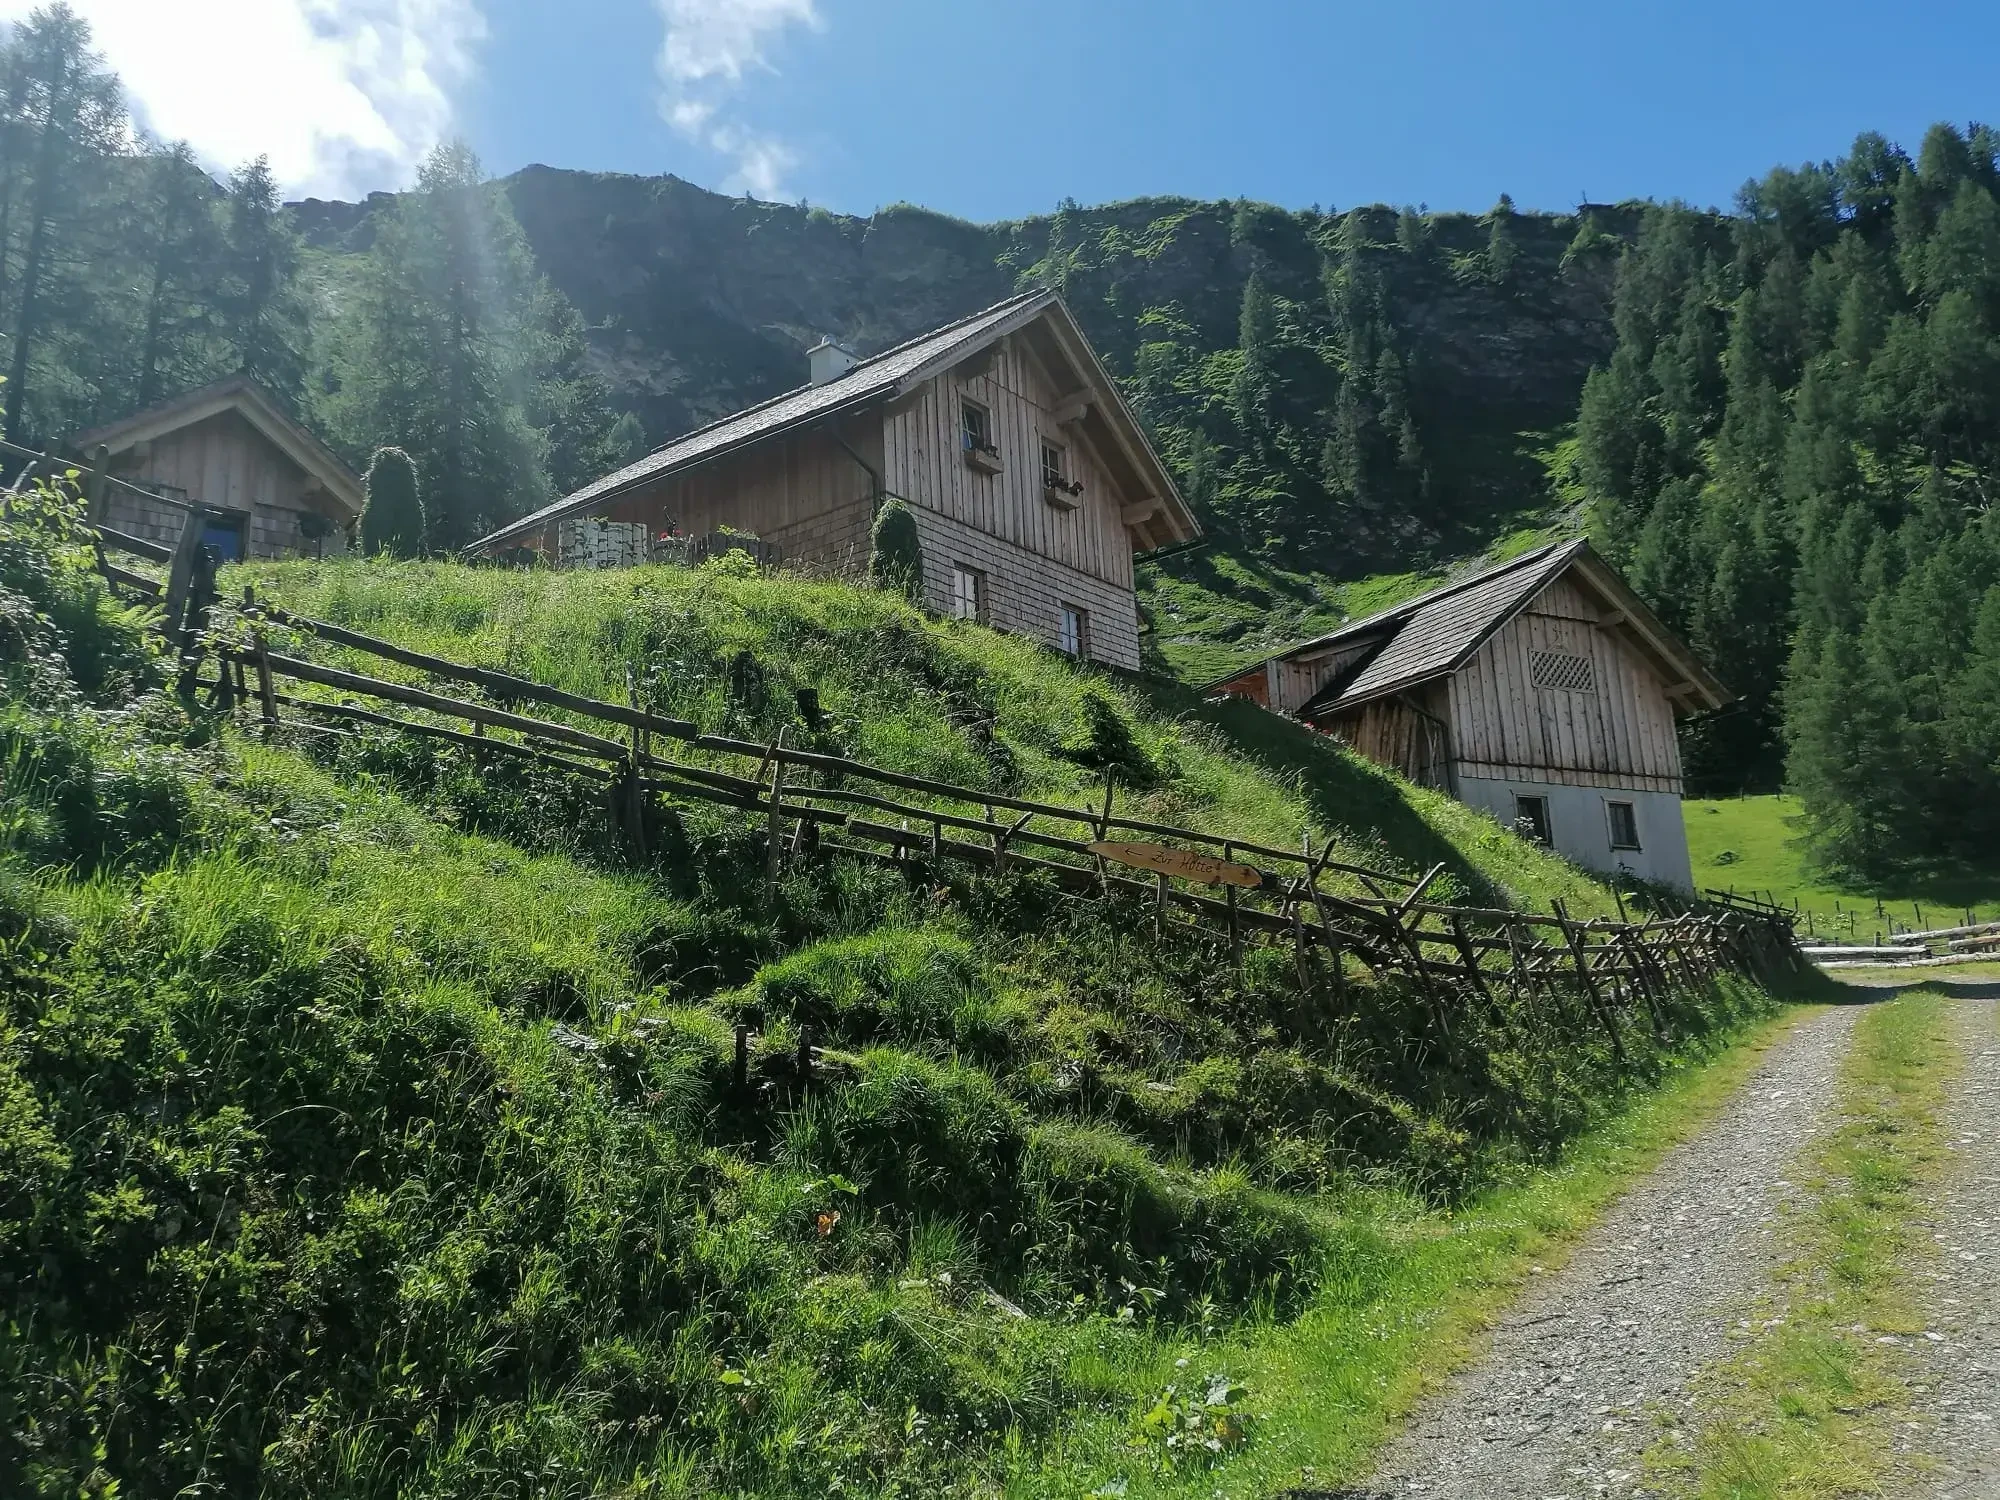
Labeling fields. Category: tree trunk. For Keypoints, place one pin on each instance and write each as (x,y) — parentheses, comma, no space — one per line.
(27,326)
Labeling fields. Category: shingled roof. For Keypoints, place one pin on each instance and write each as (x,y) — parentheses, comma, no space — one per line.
(1436,634)
(881,378)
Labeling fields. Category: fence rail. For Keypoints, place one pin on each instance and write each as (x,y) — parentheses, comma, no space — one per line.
(813,804)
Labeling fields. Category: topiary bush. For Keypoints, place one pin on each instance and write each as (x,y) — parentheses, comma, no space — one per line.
(896,552)
(392,517)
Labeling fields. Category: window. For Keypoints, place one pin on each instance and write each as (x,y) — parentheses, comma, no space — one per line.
(1561,671)
(968,593)
(1531,818)
(1057,486)
(223,536)
(976,428)
(1073,634)
(1624,825)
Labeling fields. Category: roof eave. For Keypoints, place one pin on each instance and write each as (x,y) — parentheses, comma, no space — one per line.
(563,510)
(242,394)
(1657,635)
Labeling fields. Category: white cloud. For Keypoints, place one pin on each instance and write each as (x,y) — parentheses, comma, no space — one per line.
(344,96)
(710,46)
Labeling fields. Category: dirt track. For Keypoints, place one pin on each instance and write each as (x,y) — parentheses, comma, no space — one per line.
(1956,1441)
(1556,1407)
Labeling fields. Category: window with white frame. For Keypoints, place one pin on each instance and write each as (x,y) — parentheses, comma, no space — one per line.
(1624,824)
(1073,632)
(968,593)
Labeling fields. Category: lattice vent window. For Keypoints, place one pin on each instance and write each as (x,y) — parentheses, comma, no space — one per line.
(1563,672)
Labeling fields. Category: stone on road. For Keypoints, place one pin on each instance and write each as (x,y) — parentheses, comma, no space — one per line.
(1558,1406)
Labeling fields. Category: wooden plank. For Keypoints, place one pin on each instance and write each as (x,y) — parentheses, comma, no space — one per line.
(1184,864)
(504,683)
(121,541)
(305,671)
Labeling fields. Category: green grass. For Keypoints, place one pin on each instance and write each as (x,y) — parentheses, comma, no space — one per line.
(1415,1293)
(941,699)
(1809,1406)
(1213,613)
(1752,845)
(367,1121)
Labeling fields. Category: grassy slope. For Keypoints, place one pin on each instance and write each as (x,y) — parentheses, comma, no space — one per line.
(905,692)
(1750,844)
(425,1132)
(1213,611)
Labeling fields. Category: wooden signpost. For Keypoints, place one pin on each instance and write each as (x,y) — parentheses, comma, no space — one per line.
(1183,863)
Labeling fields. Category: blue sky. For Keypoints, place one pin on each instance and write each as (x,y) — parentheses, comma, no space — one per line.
(988,109)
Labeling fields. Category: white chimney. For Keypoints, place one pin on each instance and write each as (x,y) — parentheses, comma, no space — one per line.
(830,361)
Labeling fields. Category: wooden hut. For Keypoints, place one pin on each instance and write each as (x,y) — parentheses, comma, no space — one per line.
(1543,691)
(269,487)
(1032,484)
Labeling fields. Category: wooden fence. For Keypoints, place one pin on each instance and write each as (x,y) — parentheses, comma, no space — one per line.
(811,804)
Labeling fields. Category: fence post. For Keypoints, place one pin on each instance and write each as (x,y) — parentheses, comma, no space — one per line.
(265,691)
(774,852)
(180,572)
(1235,925)
(93,485)
(1580,955)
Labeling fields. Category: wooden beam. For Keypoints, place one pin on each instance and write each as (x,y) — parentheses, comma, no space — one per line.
(1072,409)
(1141,512)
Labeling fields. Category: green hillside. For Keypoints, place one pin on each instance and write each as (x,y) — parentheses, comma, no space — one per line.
(1758,844)
(368,1126)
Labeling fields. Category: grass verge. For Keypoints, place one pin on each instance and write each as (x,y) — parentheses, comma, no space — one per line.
(1807,1408)
(1407,1305)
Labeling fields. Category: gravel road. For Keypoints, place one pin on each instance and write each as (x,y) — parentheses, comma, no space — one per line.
(1958,1393)
(1556,1408)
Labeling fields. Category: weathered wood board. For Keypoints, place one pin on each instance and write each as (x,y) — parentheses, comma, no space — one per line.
(1185,864)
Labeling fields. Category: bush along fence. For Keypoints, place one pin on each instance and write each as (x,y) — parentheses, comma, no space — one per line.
(812,805)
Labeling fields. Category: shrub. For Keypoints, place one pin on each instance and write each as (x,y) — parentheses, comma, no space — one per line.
(392,517)
(896,553)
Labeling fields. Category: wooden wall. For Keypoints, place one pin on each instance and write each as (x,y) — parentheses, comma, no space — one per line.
(1296,680)
(1620,734)
(806,494)
(225,462)
(1409,733)
(926,465)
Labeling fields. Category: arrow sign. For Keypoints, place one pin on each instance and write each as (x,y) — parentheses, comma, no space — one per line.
(1184,863)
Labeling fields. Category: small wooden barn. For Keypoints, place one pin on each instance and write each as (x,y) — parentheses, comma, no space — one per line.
(1032,484)
(1543,691)
(269,487)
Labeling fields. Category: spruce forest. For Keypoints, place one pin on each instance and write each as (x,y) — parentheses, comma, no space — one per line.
(1781,420)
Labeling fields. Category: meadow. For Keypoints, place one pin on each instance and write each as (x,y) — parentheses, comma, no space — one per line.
(1753,845)
(368,1124)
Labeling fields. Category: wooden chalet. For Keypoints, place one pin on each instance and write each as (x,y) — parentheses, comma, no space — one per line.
(1032,484)
(269,487)
(1543,691)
